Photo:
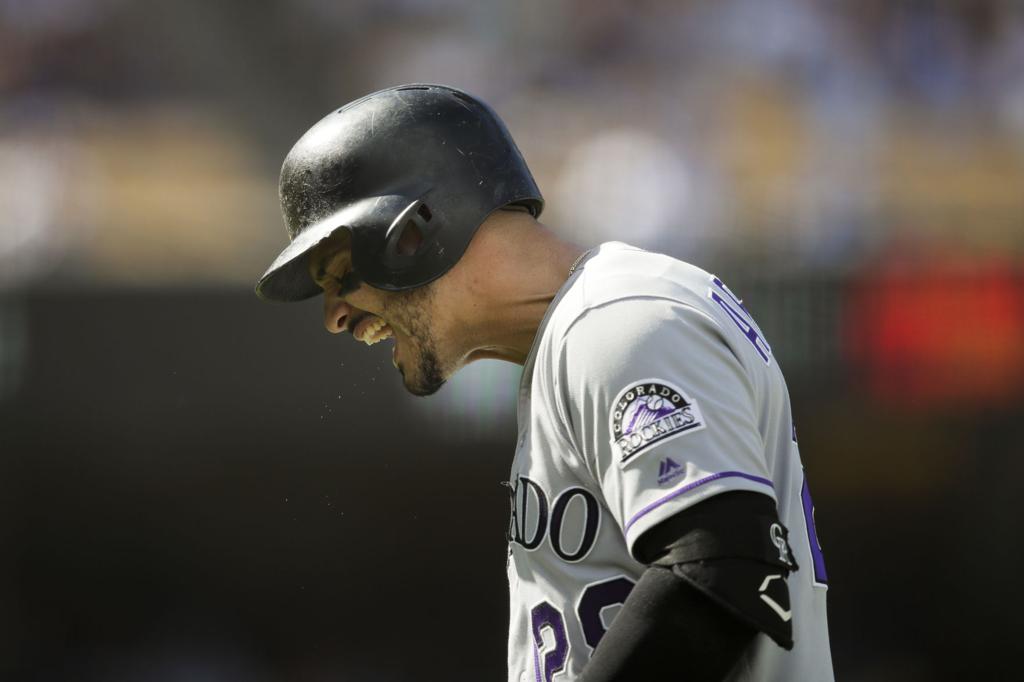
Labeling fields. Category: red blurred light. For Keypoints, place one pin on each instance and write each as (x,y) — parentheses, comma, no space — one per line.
(938,333)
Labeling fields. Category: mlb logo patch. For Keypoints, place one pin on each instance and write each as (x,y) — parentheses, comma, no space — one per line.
(648,412)
(669,470)
(668,465)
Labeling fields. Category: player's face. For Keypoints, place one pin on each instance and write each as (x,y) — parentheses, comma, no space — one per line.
(373,315)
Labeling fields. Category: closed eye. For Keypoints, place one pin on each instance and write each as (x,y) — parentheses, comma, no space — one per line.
(349,283)
(319,272)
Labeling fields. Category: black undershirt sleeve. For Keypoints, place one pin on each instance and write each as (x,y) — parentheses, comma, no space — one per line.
(668,629)
(696,608)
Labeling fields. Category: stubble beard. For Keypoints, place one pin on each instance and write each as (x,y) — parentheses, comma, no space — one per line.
(429,378)
(412,308)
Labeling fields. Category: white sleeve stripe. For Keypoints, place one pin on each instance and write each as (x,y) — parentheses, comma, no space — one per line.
(687,488)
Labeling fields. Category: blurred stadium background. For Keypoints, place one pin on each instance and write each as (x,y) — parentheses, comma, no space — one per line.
(198,486)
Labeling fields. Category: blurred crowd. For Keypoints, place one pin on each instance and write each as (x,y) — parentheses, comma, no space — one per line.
(139,142)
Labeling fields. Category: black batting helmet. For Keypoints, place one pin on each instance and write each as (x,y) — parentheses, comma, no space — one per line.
(427,157)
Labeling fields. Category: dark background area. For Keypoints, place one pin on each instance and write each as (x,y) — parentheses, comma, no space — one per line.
(185,498)
(194,497)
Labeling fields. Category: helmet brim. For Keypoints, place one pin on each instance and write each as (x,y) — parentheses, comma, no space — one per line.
(288,279)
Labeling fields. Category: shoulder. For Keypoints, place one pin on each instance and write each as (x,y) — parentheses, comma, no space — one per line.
(617,274)
(627,301)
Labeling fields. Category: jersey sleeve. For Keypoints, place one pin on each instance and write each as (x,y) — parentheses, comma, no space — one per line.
(660,409)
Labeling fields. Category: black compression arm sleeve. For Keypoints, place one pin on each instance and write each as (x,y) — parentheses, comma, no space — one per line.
(697,607)
(668,628)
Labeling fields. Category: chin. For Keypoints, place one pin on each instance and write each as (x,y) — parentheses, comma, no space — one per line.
(427,380)
(417,386)
(424,390)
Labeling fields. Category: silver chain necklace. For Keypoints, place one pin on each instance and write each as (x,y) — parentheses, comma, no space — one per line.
(576,262)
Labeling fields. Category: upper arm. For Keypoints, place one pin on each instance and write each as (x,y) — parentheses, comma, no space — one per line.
(661,408)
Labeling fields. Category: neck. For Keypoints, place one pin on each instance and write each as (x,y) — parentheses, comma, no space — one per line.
(517,268)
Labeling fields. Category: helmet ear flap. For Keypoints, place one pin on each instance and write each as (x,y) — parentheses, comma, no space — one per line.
(410,240)
(408,234)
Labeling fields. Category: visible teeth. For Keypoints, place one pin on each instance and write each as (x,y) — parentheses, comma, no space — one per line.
(377,331)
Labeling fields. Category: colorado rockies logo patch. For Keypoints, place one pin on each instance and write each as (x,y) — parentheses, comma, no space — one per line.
(648,412)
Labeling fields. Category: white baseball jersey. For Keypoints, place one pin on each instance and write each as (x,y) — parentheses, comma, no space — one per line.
(648,389)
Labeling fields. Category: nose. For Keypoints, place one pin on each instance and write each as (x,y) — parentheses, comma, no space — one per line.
(336,314)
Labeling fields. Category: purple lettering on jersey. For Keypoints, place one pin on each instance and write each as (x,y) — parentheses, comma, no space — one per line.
(818,557)
(743,322)
(728,292)
(530,536)
(687,488)
(595,598)
(591,523)
(545,616)
(518,530)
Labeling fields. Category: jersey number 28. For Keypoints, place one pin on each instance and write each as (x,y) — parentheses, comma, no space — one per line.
(549,657)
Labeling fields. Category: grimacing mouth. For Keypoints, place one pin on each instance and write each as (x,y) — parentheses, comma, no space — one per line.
(371,329)
(368,328)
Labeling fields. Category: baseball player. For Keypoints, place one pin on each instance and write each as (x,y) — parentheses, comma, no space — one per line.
(661,524)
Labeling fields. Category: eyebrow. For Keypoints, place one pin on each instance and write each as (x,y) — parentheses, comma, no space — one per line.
(320,266)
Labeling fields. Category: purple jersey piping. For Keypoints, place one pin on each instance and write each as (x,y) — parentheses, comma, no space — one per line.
(687,488)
